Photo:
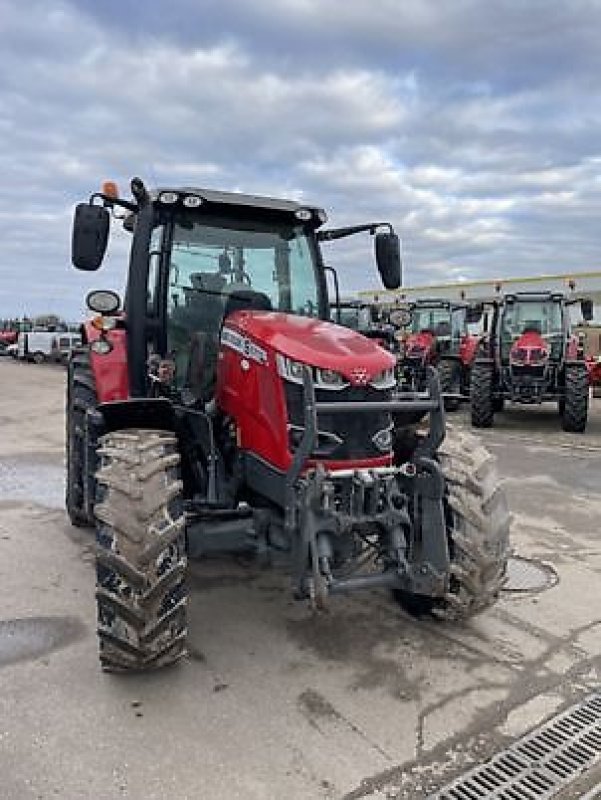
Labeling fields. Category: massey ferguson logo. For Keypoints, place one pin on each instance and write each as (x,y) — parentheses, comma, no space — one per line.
(358,376)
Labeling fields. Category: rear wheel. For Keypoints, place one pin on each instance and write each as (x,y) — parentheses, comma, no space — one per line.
(481,396)
(141,555)
(38,357)
(81,449)
(575,401)
(449,375)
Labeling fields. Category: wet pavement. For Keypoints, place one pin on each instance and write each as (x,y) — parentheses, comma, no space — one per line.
(27,478)
(364,702)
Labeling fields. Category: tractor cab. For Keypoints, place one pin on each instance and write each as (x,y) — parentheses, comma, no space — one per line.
(215,268)
(532,322)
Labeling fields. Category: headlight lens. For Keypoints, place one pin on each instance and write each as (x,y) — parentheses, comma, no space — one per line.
(289,369)
(292,371)
(329,379)
(385,380)
(101,346)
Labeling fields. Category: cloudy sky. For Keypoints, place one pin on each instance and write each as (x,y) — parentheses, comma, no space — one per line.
(474,126)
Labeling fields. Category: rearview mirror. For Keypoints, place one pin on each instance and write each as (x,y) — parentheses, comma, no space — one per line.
(388,259)
(90,236)
(586,306)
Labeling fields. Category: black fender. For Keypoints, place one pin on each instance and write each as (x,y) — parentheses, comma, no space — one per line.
(155,413)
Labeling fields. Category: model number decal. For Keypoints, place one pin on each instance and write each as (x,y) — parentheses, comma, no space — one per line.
(243,345)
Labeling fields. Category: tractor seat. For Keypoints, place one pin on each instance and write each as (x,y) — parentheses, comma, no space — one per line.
(532,326)
(202,365)
(246,299)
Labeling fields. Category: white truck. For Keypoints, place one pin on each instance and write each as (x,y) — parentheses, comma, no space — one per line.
(41,346)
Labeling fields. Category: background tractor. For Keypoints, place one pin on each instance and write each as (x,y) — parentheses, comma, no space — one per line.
(368,319)
(529,356)
(437,335)
(223,412)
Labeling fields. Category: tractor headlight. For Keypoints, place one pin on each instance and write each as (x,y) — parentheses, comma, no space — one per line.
(384,380)
(329,379)
(101,346)
(289,369)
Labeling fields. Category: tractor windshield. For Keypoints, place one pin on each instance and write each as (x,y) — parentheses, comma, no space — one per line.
(436,320)
(214,261)
(544,317)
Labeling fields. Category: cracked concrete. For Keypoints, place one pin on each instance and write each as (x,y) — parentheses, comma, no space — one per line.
(364,702)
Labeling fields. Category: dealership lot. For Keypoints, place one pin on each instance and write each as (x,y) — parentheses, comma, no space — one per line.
(361,702)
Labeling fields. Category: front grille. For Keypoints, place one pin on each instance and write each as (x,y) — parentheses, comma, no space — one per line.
(356,431)
(540,764)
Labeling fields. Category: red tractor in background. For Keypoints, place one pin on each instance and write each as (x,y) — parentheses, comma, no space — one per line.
(437,335)
(222,411)
(529,355)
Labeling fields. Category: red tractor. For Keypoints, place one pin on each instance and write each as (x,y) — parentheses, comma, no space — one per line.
(593,367)
(529,356)
(222,411)
(438,336)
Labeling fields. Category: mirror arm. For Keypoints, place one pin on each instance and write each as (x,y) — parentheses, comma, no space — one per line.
(340,233)
(112,201)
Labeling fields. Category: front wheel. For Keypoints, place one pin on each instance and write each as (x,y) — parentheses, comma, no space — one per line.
(141,554)
(449,375)
(481,396)
(477,522)
(575,401)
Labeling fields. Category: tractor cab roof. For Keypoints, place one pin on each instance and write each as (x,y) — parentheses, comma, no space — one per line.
(431,302)
(219,202)
(534,297)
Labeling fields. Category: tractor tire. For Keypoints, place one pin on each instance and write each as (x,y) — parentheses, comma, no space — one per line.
(81,452)
(478,523)
(141,551)
(481,396)
(449,375)
(575,405)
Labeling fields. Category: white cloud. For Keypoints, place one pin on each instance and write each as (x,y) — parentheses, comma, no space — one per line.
(474,128)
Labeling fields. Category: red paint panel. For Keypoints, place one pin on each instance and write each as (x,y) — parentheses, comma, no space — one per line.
(109,370)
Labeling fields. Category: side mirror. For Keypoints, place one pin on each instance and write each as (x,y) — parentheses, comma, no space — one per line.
(474,314)
(586,306)
(90,236)
(388,259)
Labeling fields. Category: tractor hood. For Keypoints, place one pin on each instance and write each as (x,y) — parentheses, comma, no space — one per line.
(312,341)
(530,348)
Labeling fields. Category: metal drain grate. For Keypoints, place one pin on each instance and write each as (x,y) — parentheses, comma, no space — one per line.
(540,764)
